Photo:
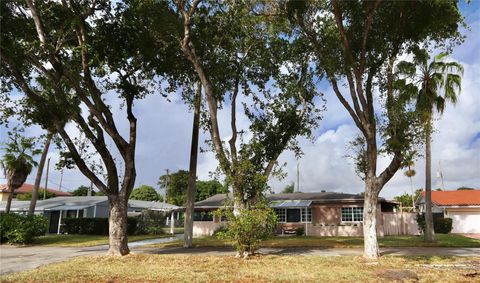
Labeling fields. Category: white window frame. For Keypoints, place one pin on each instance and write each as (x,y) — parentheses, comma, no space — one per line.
(352,208)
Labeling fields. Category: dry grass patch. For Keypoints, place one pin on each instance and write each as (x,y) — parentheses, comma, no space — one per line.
(195,268)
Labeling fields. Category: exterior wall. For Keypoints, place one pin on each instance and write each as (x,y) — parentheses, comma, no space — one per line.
(4,196)
(205,228)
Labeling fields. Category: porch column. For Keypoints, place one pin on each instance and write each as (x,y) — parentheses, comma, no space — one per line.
(78,211)
(172,223)
(59,222)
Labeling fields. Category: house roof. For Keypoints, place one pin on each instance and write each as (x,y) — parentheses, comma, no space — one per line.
(455,198)
(74,203)
(28,188)
(315,197)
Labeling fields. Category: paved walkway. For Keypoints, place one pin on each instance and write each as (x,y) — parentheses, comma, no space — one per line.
(15,259)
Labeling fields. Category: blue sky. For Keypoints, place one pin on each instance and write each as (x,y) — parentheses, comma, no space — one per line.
(164,131)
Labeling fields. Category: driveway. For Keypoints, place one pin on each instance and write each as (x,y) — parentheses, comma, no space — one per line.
(15,259)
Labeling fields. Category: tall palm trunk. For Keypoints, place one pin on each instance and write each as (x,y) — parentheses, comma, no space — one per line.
(38,178)
(429,232)
(411,187)
(192,174)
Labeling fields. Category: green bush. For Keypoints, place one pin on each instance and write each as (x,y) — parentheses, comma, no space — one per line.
(441,225)
(95,226)
(151,222)
(21,229)
(300,231)
(249,228)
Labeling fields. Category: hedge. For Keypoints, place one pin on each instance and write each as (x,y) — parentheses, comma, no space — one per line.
(441,225)
(95,226)
(21,229)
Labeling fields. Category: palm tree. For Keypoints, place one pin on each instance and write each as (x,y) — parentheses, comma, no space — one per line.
(38,178)
(17,162)
(438,81)
(409,163)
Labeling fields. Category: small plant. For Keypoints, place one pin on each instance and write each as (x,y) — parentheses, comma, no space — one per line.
(300,231)
(440,225)
(248,228)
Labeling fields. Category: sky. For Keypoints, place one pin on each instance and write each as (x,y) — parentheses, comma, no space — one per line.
(164,133)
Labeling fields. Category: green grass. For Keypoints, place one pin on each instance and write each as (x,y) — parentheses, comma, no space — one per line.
(443,240)
(84,240)
(271,268)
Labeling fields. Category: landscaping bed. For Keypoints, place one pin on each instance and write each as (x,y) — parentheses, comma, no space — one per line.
(85,240)
(198,268)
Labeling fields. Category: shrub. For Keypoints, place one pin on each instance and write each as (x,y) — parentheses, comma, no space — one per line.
(95,226)
(21,229)
(300,231)
(441,225)
(249,228)
(151,222)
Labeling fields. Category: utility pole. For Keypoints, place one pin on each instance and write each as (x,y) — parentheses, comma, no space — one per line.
(89,192)
(61,179)
(298,177)
(46,180)
(167,180)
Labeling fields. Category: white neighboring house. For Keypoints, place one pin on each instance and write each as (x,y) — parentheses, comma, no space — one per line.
(463,207)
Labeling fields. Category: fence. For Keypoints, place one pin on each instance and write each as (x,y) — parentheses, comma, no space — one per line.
(400,223)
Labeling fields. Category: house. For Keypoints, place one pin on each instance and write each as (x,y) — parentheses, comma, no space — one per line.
(56,209)
(318,213)
(463,207)
(27,188)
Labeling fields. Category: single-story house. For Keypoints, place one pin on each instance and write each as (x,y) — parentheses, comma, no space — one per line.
(56,209)
(463,207)
(27,188)
(319,213)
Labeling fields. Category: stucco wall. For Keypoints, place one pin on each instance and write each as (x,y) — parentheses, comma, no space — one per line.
(205,228)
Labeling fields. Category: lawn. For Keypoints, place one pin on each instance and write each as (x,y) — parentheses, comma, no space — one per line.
(443,240)
(85,240)
(196,268)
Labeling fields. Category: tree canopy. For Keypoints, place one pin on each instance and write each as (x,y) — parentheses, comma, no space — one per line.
(147,193)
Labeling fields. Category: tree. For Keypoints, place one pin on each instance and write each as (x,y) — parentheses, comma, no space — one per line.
(289,189)
(206,189)
(175,185)
(357,43)
(145,192)
(65,57)
(38,177)
(431,78)
(465,189)
(17,161)
(409,163)
(192,173)
(234,52)
(28,196)
(82,191)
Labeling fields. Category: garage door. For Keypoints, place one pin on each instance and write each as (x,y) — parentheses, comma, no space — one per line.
(465,221)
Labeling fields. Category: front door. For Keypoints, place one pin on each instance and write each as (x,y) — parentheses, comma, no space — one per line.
(53,227)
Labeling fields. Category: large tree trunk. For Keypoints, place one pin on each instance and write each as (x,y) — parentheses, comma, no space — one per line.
(117,221)
(38,178)
(429,232)
(192,174)
(371,250)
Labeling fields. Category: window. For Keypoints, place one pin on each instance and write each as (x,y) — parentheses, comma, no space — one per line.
(352,214)
(280,214)
(294,215)
(202,216)
(306,214)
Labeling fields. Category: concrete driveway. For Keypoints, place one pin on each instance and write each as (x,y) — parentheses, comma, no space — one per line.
(15,259)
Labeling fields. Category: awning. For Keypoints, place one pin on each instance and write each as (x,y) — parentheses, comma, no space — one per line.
(290,203)
(68,207)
